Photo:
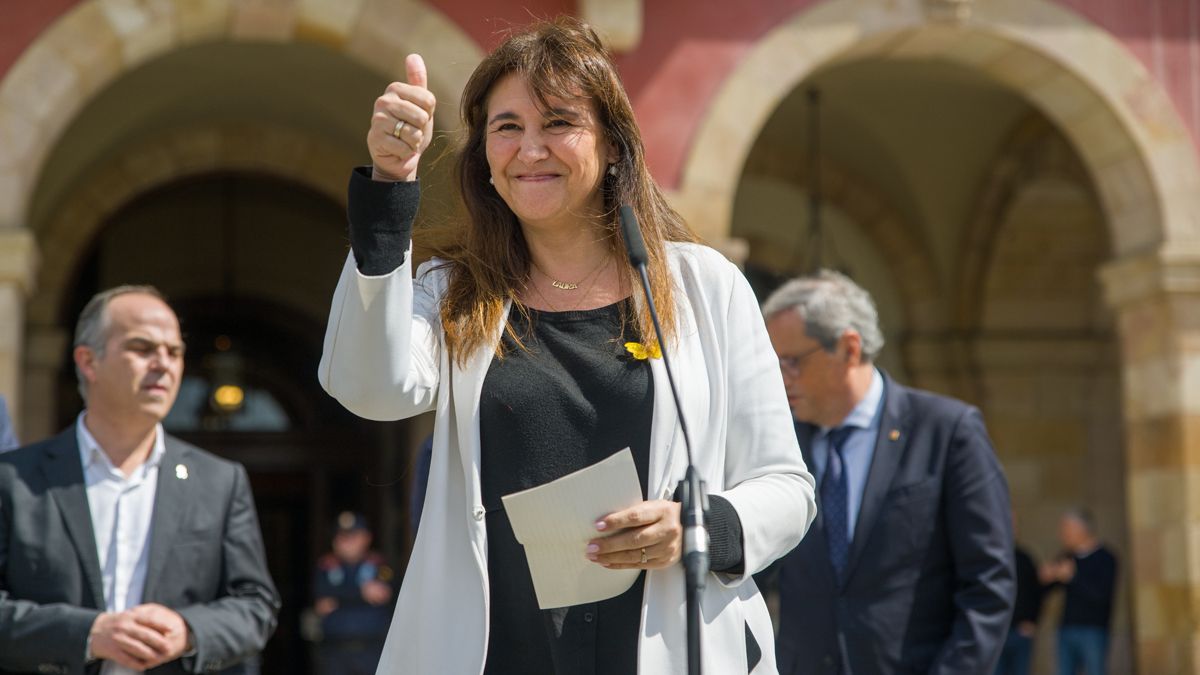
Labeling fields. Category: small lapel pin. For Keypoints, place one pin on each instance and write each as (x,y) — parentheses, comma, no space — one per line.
(894,435)
(181,472)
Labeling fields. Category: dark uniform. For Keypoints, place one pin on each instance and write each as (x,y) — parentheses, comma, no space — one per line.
(353,633)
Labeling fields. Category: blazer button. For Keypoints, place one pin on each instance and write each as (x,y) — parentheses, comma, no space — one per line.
(479,513)
(828,661)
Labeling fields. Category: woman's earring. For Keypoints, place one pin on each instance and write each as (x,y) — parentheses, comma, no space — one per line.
(491,181)
(612,169)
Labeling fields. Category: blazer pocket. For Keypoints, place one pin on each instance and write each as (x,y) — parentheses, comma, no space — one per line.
(922,489)
(185,542)
(205,531)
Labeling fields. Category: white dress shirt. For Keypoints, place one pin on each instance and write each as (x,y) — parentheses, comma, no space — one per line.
(122,508)
(858,450)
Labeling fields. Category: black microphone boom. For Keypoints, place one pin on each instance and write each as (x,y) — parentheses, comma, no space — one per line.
(634,244)
(691,489)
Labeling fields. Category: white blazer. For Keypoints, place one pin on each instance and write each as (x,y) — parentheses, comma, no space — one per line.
(384,359)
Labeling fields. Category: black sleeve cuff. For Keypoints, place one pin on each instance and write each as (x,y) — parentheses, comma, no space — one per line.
(724,537)
(381,220)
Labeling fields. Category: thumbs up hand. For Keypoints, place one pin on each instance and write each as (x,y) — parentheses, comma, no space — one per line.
(402,124)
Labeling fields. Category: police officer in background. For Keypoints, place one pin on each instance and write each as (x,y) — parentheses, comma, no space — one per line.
(354,589)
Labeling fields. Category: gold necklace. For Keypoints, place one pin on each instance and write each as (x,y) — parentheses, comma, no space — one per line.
(568,285)
(594,276)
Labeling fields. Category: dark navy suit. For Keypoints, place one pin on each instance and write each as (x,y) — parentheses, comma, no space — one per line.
(929,584)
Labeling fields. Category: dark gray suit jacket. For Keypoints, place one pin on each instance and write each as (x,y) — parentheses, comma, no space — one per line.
(930,580)
(206,559)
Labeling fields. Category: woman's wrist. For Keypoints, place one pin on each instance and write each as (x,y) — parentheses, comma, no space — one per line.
(378,174)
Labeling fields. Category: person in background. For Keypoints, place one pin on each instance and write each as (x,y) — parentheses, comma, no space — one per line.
(1087,571)
(909,568)
(123,549)
(1017,655)
(8,438)
(353,590)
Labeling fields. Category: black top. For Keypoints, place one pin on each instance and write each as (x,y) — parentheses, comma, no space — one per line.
(1029,590)
(1090,592)
(573,397)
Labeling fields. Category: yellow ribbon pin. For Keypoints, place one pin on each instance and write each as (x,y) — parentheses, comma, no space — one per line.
(642,352)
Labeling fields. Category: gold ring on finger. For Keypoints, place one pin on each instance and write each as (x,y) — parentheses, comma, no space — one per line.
(643,557)
(398,128)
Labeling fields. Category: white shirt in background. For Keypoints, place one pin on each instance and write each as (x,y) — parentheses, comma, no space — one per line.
(122,509)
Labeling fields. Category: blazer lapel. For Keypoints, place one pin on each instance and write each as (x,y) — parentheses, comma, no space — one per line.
(64,476)
(171,496)
(663,431)
(889,448)
(466,386)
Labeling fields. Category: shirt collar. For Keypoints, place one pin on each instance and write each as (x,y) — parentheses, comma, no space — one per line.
(865,413)
(90,451)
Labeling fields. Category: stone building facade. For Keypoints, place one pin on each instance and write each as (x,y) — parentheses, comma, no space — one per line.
(1017,181)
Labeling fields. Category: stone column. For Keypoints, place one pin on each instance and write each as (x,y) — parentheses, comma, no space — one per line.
(1156,298)
(619,22)
(18,259)
(45,350)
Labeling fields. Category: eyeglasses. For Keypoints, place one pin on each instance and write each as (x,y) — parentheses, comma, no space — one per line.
(792,365)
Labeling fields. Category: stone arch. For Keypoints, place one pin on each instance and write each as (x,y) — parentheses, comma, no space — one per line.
(156,162)
(249,147)
(899,241)
(1033,152)
(1136,148)
(96,42)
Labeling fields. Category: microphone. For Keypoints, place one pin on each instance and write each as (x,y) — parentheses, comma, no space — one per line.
(635,246)
(693,497)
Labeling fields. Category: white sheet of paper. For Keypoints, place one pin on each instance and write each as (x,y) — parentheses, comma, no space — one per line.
(555,521)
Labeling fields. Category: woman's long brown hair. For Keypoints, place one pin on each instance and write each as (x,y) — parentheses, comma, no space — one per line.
(487,256)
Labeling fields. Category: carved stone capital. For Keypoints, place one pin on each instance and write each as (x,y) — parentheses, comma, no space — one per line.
(18,258)
(618,22)
(1169,270)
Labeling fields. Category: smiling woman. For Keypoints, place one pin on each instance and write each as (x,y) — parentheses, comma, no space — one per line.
(526,336)
(546,164)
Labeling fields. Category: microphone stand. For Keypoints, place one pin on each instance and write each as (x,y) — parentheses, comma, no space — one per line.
(694,498)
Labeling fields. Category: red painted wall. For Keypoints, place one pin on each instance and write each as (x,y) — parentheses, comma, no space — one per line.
(21,21)
(1165,36)
(688,50)
(486,20)
(690,46)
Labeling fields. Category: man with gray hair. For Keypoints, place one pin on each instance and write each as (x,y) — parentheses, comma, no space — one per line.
(121,548)
(909,567)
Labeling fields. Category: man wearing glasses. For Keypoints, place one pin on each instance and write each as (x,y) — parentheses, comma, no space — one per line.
(909,567)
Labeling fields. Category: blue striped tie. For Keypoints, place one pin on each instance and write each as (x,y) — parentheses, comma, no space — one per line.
(835,494)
